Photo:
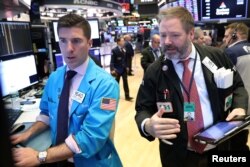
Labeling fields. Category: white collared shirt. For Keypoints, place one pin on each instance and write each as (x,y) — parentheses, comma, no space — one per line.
(200,83)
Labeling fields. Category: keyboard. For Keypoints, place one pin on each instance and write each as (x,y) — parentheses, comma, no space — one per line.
(13,115)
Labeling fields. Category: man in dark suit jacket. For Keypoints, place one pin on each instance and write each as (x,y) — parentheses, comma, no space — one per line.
(151,53)
(163,85)
(118,65)
(238,50)
(129,53)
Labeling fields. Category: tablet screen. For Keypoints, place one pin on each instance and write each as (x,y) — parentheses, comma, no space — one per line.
(218,130)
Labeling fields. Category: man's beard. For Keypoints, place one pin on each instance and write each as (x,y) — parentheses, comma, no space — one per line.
(181,53)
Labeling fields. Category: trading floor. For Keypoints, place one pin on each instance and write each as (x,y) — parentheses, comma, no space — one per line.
(134,150)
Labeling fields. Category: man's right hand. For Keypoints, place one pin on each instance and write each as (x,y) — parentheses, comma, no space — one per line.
(20,137)
(113,73)
(162,128)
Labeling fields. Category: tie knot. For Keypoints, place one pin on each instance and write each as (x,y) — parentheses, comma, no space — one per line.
(70,74)
(184,62)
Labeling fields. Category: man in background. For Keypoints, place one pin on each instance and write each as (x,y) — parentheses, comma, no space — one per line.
(118,66)
(207,40)
(151,53)
(129,53)
(198,36)
(238,50)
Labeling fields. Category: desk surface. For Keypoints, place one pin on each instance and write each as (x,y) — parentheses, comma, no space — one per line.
(30,112)
(41,141)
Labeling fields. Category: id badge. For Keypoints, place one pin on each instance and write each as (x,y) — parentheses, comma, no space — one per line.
(189,111)
(78,96)
(228,102)
(167,106)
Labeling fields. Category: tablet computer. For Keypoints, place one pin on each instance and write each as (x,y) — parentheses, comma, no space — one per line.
(222,131)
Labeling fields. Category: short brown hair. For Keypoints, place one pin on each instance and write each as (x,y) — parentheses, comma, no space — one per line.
(181,13)
(74,20)
(240,28)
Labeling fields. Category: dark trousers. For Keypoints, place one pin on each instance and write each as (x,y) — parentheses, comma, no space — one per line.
(125,82)
(129,64)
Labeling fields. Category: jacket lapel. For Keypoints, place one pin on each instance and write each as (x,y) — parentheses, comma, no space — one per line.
(85,84)
(172,76)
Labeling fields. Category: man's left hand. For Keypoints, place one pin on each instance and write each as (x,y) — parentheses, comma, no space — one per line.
(236,111)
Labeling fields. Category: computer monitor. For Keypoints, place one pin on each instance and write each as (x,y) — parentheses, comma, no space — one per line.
(132,29)
(15,38)
(95,54)
(59,60)
(18,73)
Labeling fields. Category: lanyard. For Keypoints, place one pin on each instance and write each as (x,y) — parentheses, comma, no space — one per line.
(191,80)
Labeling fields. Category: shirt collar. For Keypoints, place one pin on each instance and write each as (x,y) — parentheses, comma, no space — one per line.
(236,43)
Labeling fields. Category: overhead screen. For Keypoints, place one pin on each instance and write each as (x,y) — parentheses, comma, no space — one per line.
(191,5)
(15,38)
(215,10)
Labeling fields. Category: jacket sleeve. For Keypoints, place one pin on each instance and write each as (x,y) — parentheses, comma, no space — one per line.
(112,60)
(145,62)
(95,129)
(145,103)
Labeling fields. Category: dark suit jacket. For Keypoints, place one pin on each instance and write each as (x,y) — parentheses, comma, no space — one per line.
(156,81)
(237,51)
(118,60)
(147,58)
(129,49)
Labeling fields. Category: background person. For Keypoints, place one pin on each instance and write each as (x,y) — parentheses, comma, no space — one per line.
(129,53)
(238,50)
(118,65)
(198,36)
(151,53)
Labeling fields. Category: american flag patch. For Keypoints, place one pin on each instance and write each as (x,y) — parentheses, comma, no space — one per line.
(108,104)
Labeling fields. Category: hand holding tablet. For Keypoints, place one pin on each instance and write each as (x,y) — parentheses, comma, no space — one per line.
(222,131)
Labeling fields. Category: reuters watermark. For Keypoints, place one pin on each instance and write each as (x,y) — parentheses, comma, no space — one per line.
(228,159)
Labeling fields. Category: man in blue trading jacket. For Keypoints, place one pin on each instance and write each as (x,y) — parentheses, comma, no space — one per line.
(182,81)
(93,100)
(238,50)
(118,65)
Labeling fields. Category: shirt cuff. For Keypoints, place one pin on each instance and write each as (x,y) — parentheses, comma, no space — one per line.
(143,125)
(71,143)
(43,118)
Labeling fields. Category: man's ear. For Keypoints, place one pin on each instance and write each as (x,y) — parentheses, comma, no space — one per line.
(90,42)
(191,34)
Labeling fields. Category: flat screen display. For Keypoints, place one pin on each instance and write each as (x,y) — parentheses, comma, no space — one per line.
(213,10)
(15,38)
(18,73)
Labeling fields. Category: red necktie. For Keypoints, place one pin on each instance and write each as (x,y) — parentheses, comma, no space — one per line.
(193,126)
